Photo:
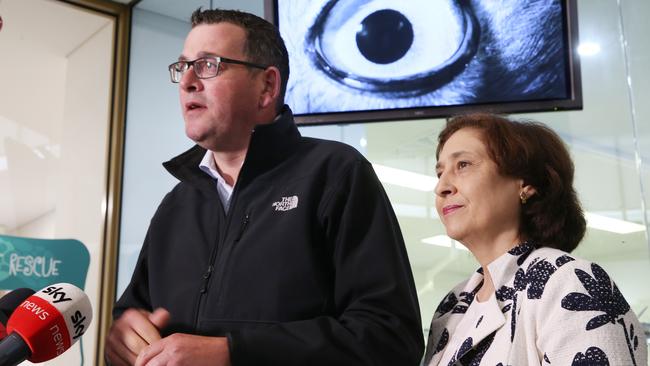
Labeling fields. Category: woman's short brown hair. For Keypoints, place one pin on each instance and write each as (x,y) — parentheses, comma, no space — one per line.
(533,152)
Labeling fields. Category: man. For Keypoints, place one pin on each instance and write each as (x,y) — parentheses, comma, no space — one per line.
(273,249)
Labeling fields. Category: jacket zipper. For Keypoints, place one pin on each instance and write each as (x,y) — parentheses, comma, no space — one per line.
(243,227)
(214,255)
(222,260)
(208,272)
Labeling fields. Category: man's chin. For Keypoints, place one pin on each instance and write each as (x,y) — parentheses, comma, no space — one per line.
(196,136)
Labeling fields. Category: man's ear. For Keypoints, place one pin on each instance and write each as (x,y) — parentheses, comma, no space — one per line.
(270,88)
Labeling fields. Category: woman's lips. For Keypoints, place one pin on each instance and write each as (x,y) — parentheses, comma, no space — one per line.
(450,208)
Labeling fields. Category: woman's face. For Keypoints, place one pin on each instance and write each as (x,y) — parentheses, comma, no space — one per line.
(474,201)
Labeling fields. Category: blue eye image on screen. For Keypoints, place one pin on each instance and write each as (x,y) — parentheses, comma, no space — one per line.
(385,55)
(374,48)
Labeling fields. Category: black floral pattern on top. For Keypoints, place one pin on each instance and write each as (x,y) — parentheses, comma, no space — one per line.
(594,356)
(465,299)
(442,343)
(546,360)
(603,295)
(563,260)
(522,250)
(457,305)
(464,348)
(505,294)
(474,356)
(447,304)
(533,280)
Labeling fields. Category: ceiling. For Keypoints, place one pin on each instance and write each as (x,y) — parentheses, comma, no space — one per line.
(181,10)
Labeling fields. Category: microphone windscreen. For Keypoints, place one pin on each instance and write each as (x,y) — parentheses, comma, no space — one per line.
(10,301)
(51,320)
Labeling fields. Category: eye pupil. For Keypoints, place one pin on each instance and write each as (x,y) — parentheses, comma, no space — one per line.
(385,36)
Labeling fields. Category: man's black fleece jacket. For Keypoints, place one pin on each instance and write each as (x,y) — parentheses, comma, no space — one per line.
(308,266)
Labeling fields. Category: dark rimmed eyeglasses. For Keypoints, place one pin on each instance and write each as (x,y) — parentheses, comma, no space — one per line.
(204,67)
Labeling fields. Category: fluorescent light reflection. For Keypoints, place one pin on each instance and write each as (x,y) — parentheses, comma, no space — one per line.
(444,241)
(414,211)
(588,48)
(405,178)
(363,142)
(426,183)
(593,221)
(612,225)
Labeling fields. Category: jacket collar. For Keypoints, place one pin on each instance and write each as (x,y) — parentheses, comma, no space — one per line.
(270,144)
(503,271)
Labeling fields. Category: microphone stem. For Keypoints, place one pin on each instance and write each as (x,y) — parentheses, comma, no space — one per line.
(13,350)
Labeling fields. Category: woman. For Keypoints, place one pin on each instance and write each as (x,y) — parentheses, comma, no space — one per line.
(505,191)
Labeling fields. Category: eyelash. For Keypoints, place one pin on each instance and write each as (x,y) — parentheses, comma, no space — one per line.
(459,165)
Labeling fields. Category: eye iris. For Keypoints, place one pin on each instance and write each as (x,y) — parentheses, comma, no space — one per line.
(385,36)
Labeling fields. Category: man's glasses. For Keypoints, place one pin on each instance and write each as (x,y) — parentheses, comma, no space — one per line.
(204,67)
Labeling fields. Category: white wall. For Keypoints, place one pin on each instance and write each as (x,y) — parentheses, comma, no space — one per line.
(154,129)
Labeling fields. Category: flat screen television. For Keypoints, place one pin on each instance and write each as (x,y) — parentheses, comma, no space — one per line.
(374,60)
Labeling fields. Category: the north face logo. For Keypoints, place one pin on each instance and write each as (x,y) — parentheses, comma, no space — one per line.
(287,203)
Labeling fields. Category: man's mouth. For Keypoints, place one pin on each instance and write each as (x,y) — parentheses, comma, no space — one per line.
(193,106)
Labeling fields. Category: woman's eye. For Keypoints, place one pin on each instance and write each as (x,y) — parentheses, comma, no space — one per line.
(463,164)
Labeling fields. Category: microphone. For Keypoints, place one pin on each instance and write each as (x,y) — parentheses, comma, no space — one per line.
(46,324)
(8,303)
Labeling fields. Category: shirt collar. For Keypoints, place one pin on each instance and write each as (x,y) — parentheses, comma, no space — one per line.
(209,166)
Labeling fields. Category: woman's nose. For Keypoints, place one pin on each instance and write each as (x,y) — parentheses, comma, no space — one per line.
(444,187)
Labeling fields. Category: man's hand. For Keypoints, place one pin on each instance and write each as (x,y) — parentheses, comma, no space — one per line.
(132,332)
(185,349)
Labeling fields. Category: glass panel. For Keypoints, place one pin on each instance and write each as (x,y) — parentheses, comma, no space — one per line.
(603,140)
(54,123)
(154,114)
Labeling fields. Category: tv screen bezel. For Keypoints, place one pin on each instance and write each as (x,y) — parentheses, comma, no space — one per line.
(573,102)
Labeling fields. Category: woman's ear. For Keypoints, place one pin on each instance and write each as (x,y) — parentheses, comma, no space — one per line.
(270,88)
(528,190)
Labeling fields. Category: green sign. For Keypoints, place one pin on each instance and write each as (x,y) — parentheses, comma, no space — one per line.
(36,263)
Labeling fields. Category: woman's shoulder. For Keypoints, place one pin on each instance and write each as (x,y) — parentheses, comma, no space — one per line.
(555,256)
(560,274)
(580,311)
(555,261)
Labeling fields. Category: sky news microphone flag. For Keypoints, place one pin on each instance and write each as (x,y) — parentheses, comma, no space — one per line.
(46,324)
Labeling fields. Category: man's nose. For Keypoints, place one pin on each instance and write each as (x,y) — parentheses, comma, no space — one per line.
(189,81)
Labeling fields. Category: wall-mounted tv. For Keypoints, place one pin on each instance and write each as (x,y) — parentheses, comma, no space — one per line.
(373,60)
